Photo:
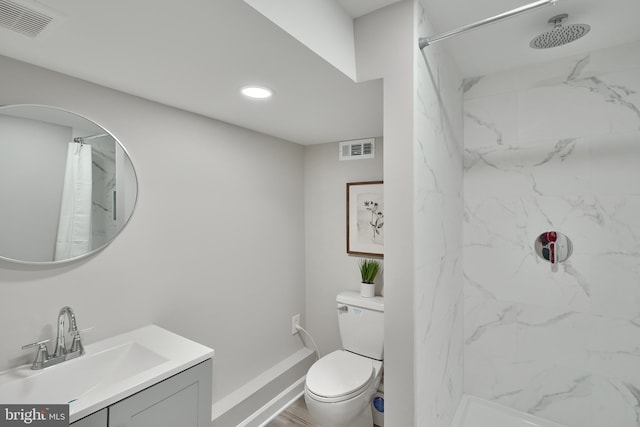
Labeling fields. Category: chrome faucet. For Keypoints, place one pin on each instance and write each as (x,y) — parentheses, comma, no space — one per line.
(61,353)
(76,344)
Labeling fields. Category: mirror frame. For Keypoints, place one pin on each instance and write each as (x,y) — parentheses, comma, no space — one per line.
(133,208)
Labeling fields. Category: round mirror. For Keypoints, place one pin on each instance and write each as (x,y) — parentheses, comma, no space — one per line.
(67,185)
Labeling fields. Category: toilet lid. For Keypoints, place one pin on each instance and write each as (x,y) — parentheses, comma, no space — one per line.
(339,374)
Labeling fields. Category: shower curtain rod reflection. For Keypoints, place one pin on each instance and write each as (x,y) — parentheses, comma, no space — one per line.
(426,41)
(82,139)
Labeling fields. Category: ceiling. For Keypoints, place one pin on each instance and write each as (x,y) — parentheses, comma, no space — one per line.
(357,8)
(197,54)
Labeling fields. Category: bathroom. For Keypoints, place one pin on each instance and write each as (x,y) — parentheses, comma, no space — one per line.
(474,170)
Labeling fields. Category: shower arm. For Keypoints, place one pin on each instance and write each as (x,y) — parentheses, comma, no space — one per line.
(426,41)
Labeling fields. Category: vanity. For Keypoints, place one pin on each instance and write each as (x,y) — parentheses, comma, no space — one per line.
(181,400)
(146,377)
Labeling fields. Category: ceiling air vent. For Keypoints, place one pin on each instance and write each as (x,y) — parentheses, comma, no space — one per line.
(357,149)
(21,19)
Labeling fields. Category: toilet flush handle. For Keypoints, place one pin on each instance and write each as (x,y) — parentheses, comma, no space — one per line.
(343,308)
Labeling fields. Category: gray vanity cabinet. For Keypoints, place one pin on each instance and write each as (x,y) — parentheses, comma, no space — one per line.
(97,419)
(182,400)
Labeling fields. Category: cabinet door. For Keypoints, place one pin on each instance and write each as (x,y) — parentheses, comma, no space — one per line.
(97,419)
(183,400)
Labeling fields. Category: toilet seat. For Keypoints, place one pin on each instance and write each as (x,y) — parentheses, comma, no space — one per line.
(340,376)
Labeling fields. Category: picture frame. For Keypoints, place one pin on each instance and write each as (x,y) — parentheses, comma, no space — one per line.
(365,218)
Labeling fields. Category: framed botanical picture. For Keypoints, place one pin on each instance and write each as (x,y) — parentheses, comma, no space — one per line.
(365,218)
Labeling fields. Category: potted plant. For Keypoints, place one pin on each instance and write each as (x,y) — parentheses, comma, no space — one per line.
(368,271)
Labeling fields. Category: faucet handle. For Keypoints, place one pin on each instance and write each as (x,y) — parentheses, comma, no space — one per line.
(41,345)
(42,356)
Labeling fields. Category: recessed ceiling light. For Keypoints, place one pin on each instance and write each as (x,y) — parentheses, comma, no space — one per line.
(257,92)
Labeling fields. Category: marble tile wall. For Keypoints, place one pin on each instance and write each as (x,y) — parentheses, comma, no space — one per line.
(438,207)
(555,147)
(103,224)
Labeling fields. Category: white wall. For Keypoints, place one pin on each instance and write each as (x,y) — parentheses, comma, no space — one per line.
(32,161)
(384,48)
(328,268)
(555,147)
(215,248)
(321,25)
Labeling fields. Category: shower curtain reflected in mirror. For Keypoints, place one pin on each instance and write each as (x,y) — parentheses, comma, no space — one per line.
(74,227)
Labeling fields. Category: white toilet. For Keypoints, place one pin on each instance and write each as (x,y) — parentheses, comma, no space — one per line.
(339,387)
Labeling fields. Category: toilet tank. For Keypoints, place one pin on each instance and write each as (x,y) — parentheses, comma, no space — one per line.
(361,323)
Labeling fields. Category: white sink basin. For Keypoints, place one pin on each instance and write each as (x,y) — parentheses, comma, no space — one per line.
(110,370)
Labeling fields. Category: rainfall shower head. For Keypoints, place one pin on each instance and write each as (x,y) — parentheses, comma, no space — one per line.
(559,35)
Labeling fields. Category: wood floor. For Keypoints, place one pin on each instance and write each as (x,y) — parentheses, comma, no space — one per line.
(295,415)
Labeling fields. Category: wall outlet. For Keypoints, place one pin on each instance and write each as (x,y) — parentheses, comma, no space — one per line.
(295,321)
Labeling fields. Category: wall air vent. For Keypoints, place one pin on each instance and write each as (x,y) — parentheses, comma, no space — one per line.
(21,19)
(357,149)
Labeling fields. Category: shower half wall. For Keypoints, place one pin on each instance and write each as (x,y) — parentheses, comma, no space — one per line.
(555,147)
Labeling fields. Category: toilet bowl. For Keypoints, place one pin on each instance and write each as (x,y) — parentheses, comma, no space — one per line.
(339,388)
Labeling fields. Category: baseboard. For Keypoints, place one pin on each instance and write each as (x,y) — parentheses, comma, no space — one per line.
(255,402)
(278,404)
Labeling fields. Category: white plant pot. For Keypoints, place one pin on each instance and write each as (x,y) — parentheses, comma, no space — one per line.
(367,290)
